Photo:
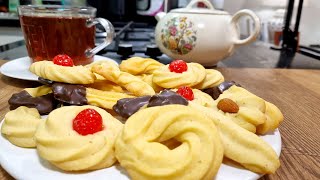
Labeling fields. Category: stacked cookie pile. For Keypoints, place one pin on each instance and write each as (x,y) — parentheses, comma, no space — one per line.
(159,121)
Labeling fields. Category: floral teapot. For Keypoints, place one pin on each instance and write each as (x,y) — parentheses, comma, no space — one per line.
(202,35)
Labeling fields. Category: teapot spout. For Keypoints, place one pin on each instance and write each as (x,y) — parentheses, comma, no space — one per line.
(160,15)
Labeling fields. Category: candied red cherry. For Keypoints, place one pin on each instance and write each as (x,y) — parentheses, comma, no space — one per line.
(186,92)
(88,121)
(63,60)
(178,66)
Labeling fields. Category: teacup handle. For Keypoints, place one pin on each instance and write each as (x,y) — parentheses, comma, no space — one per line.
(206,2)
(254,34)
(110,34)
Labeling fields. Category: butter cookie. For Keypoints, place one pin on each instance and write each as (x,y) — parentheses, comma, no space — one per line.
(133,84)
(169,142)
(59,143)
(20,125)
(65,74)
(194,75)
(139,65)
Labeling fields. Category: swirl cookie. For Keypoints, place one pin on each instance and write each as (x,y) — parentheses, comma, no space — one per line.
(190,75)
(66,74)
(133,84)
(212,79)
(242,146)
(169,142)
(139,65)
(20,125)
(62,142)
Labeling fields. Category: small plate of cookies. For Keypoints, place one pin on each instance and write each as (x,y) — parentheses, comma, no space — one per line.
(138,120)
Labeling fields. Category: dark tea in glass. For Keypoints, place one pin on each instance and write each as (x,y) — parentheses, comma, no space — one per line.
(53,30)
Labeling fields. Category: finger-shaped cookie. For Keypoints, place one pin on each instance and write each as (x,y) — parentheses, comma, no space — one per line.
(251,108)
(105,85)
(66,74)
(104,99)
(20,125)
(169,142)
(59,143)
(40,98)
(133,84)
(73,94)
(212,79)
(148,79)
(167,79)
(274,118)
(139,65)
(39,91)
(241,145)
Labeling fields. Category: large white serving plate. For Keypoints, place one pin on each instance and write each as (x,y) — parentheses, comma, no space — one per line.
(23,163)
(19,68)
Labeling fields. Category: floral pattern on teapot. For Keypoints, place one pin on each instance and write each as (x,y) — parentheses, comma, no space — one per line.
(178,35)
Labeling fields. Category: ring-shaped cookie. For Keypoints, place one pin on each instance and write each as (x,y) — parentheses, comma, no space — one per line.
(145,146)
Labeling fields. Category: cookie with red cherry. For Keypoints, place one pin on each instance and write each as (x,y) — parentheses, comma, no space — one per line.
(62,69)
(78,138)
(179,73)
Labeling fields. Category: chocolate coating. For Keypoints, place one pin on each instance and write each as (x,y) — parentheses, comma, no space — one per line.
(44,104)
(45,81)
(70,93)
(226,85)
(217,90)
(167,97)
(127,106)
(214,92)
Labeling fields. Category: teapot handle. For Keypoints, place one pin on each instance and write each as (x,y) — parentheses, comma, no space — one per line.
(252,37)
(206,2)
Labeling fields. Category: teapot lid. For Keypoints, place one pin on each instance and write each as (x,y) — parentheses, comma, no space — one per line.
(209,10)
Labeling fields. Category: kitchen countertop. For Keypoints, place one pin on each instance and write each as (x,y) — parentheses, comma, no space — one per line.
(295,92)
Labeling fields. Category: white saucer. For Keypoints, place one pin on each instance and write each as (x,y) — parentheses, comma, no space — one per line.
(19,68)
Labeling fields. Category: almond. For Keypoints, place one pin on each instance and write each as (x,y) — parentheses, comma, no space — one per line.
(228,106)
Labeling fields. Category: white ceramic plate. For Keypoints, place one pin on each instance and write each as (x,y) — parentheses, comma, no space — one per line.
(23,163)
(19,68)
